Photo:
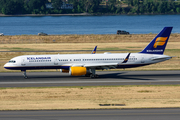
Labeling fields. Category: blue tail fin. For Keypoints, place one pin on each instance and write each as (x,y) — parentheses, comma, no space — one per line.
(94,51)
(158,44)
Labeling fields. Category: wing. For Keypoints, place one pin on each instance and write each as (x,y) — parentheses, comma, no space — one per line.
(101,65)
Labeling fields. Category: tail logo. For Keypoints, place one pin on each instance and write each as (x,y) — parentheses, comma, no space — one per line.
(160,41)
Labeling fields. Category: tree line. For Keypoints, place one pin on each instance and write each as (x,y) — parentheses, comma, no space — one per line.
(154,7)
(11,7)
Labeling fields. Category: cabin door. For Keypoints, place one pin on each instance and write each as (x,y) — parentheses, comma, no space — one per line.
(142,59)
(55,61)
(23,62)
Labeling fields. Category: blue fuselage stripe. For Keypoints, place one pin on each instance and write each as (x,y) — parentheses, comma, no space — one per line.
(37,67)
(64,67)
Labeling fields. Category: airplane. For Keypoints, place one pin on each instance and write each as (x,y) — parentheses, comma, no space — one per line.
(87,64)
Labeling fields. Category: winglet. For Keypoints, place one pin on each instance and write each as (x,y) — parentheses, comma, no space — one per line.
(158,44)
(127,57)
(94,51)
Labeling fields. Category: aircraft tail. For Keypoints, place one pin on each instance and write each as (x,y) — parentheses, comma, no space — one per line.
(158,44)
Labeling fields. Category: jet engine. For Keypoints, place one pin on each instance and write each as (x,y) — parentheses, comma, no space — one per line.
(77,71)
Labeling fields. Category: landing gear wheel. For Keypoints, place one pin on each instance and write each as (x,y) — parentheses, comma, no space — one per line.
(87,75)
(25,76)
(96,76)
(92,76)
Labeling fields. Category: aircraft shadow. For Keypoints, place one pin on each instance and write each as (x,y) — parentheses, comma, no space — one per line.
(138,76)
(60,77)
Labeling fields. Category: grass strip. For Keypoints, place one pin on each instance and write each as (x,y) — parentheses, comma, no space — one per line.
(103,97)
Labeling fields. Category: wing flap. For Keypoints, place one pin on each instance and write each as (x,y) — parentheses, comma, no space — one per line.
(101,65)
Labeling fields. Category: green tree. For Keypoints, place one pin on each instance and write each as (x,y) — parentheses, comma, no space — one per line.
(79,10)
(35,5)
(113,2)
(113,9)
(134,10)
(156,4)
(118,10)
(87,4)
(141,8)
(2,2)
(160,8)
(81,6)
(26,8)
(42,10)
(153,7)
(130,2)
(11,7)
(75,4)
(57,4)
(174,6)
(19,6)
(95,6)
(3,11)
(124,10)
(178,9)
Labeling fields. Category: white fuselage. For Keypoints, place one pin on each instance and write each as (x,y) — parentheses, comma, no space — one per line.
(97,61)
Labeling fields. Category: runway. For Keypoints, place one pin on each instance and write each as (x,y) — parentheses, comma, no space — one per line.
(128,114)
(106,78)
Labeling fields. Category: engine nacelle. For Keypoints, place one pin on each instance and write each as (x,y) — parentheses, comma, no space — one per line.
(77,71)
(64,71)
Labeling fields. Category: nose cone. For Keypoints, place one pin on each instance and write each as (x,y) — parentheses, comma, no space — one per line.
(6,65)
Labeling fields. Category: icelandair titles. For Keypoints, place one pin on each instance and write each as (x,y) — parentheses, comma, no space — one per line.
(154,50)
(38,58)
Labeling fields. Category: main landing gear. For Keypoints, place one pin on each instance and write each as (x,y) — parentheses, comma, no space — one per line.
(92,73)
(25,76)
(94,76)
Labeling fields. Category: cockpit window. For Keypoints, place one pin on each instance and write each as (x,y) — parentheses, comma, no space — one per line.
(12,61)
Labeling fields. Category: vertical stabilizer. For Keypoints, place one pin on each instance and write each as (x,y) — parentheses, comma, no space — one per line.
(158,44)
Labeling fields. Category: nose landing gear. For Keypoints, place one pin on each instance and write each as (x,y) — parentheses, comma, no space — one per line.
(24,74)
